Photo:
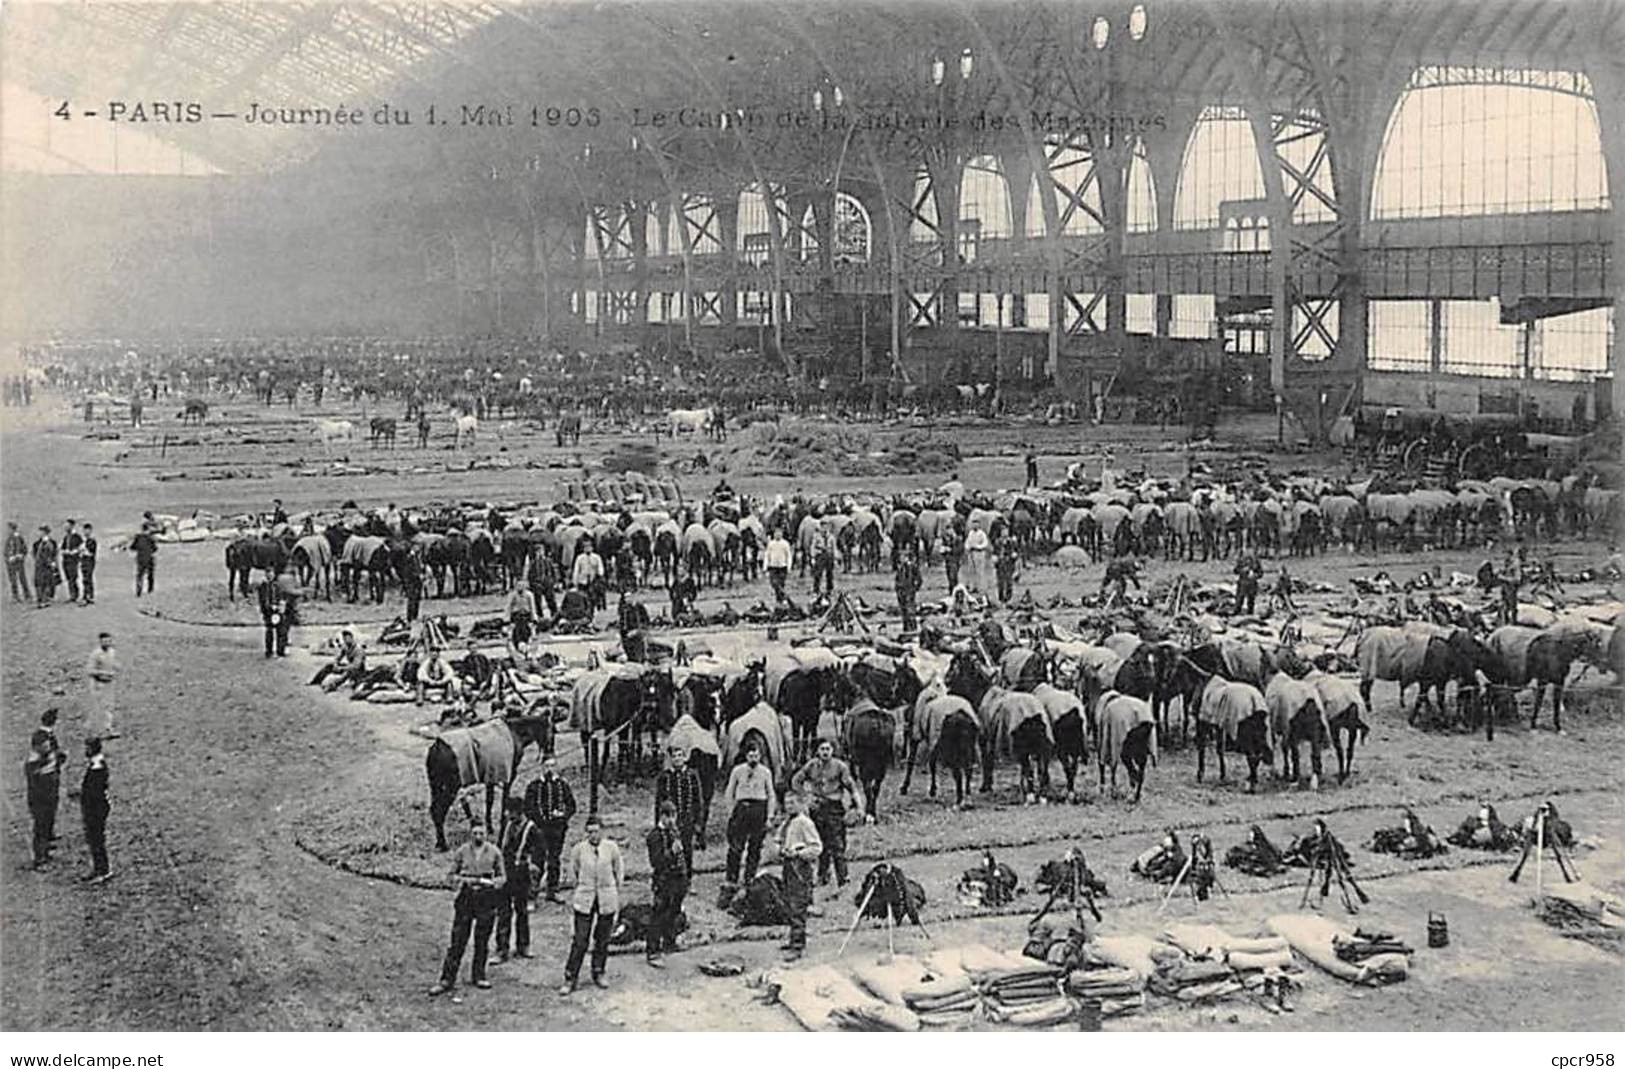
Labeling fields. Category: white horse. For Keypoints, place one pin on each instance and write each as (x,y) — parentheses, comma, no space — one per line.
(698,420)
(334,430)
(467,425)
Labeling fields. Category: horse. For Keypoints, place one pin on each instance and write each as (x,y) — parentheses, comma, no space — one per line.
(381,429)
(1067,726)
(1236,717)
(1344,710)
(312,558)
(334,430)
(447,553)
(869,734)
(1023,730)
(1150,671)
(797,688)
(700,554)
(614,701)
(947,725)
(193,411)
(1418,653)
(1127,738)
(485,754)
(365,553)
(243,555)
(1543,658)
(666,552)
(465,426)
(1296,717)
(568,430)
(697,420)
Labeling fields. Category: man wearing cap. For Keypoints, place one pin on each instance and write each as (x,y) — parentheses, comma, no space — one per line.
(17,563)
(42,772)
(71,544)
(145,547)
(597,871)
(93,808)
(669,875)
(520,846)
(276,610)
(550,805)
(799,848)
(102,670)
(681,786)
(908,582)
(45,567)
(87,566)
(477,874)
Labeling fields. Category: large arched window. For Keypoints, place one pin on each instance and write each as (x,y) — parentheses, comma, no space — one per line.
(853,232)
(1476,141)
(1142,195)
(1221,163)
(1075,187)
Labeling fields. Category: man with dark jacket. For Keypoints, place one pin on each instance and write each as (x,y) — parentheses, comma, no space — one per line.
(45,567)
(72,542)
(43,773)
(669,875)
(1248,573)
(94,807)
(521,847)
(908,585)
(680,785)
(87,565)
(544,579)
(276,610)
(145,548)
(550,805)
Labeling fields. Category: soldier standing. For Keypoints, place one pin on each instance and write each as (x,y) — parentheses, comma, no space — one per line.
(45,565)
(17,563)
(71,543)
(87,566)
(908,584)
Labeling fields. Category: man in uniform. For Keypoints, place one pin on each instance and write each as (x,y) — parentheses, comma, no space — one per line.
(145,547)
(544,579)
(669,874)
(827,781)
(1005,563)
(478,875)
(751,802)
(1248,573)
(1119,574)
(823,560)
(72,542)
(410,569)
(550,805)
(17,563)
(908,583)
(42,772)
(520,844)
(680,785)
(45,565)
(276,610)
(102,670)
(87,565)
(1032,471)
(799,848)
(94,807)
(953,553)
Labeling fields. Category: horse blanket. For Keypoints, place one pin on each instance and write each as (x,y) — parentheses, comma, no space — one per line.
(1122,643)
(358,551)
(1285,697)
(781,665)
(1008,710)
(1057,702)
(588,689)
(317,551)
(775,731)
(1511,644)
(1337,694)
(1390,653)
(1117,715)
(1226,705)
(687,735)
(932,710)
(484,753)
(1094,662)
(1243,660)
(1313,938)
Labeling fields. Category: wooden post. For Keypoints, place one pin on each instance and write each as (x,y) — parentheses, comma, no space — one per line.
(594,773)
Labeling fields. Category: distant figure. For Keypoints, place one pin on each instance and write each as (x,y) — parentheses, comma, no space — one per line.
(17,564)
(102,672)
(145,548)
(1032,472)
(42,772)
(93,809)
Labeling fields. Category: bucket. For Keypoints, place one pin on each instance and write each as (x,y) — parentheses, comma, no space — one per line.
(1089,1015)
(1438,931)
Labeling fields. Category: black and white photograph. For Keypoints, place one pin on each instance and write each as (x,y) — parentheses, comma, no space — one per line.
(812,516)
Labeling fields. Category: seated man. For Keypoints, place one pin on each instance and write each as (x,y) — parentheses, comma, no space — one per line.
(334,674)
(403,677)
(575,610)
(436,673)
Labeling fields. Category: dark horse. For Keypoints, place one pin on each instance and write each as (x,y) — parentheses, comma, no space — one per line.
(870,731)
(243,555)
(487,754)
(621,709)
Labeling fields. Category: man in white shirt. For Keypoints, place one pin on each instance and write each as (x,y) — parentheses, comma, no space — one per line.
(598,871)
(776,559)
(102,668)
(588,574)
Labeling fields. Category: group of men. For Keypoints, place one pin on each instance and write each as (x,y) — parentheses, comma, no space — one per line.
(72,562)
(494,882)
(42,769)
